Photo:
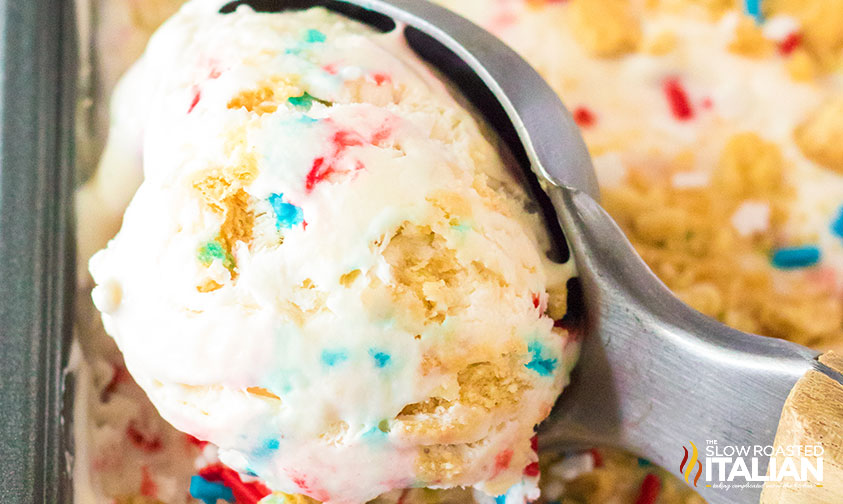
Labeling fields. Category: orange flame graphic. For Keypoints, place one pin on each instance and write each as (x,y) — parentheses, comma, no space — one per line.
(686,470)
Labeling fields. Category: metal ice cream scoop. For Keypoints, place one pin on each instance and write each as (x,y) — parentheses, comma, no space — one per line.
(654,376)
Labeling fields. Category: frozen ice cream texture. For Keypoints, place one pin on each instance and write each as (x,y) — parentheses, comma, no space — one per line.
(329,271)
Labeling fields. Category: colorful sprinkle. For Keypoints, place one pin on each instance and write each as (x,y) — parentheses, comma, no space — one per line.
(271,444)
(197,95)
(753,8)
(305,101)
(244,493)
(538,363)
(532,470)
(381,78)
(596,457)
(584,117)
(502,460)
(196,441)
(462,227)
(650,489)
(120,375)
(500,499)
(323,167)
(796,257)
(148,486)
(381,358)
(209,492)
(642,462)
(332,358)
(677,99)
(212,251)
(314,36)
(790,43)
(142,441)
(837,224)
(286,215)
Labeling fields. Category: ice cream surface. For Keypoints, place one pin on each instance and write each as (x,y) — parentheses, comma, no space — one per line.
(329,271)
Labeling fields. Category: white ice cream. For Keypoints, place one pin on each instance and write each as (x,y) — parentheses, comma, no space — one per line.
(327,271)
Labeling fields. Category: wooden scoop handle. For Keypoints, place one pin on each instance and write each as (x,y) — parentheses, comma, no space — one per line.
(812,415)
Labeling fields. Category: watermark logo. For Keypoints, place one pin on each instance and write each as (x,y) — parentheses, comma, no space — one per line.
(687,466)
(752,466)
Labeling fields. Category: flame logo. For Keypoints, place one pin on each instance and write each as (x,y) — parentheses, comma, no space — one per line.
(687,469)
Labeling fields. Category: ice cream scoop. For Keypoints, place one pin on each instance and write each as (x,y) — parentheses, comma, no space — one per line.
(329,271)
(654,376)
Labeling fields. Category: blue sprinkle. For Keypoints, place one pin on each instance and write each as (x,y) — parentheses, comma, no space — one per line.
(753,8)
(381,358)
(837,224)
(642,462)
(538,363)
(271,444)
(500,499)
(314,36)
(208,491)
(796,257)
(307,120)
(286,215)
(331,359)
(251,473)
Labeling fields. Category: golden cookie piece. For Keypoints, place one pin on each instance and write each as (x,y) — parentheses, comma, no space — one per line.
(820,136)
(749,41)
(605,28)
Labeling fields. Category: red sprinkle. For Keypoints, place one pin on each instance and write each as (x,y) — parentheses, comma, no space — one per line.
(331,68)
(534,443)
(402,498)
(197,95)
(245,493)
(119,376)
(536,300)
(148,487)
(650,489)
(140,440)
(532,470)
(790,43)
(323,167)
(502,460)
(678,100)
(584,117)
(195,441)
(707,103)
(381,78)
(598,459)
(307,489)
(318,172)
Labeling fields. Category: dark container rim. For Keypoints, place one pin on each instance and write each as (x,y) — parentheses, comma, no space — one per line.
(37,253)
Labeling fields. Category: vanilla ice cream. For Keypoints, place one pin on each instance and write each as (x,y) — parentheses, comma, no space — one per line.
(328,271)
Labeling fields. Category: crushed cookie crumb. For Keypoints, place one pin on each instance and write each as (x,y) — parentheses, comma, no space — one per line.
(820,136)
(605,28)
(661,44)
(267,96)
(749,40)
(801,66)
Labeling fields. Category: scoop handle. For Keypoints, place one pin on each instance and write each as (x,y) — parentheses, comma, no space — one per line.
(812,416)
